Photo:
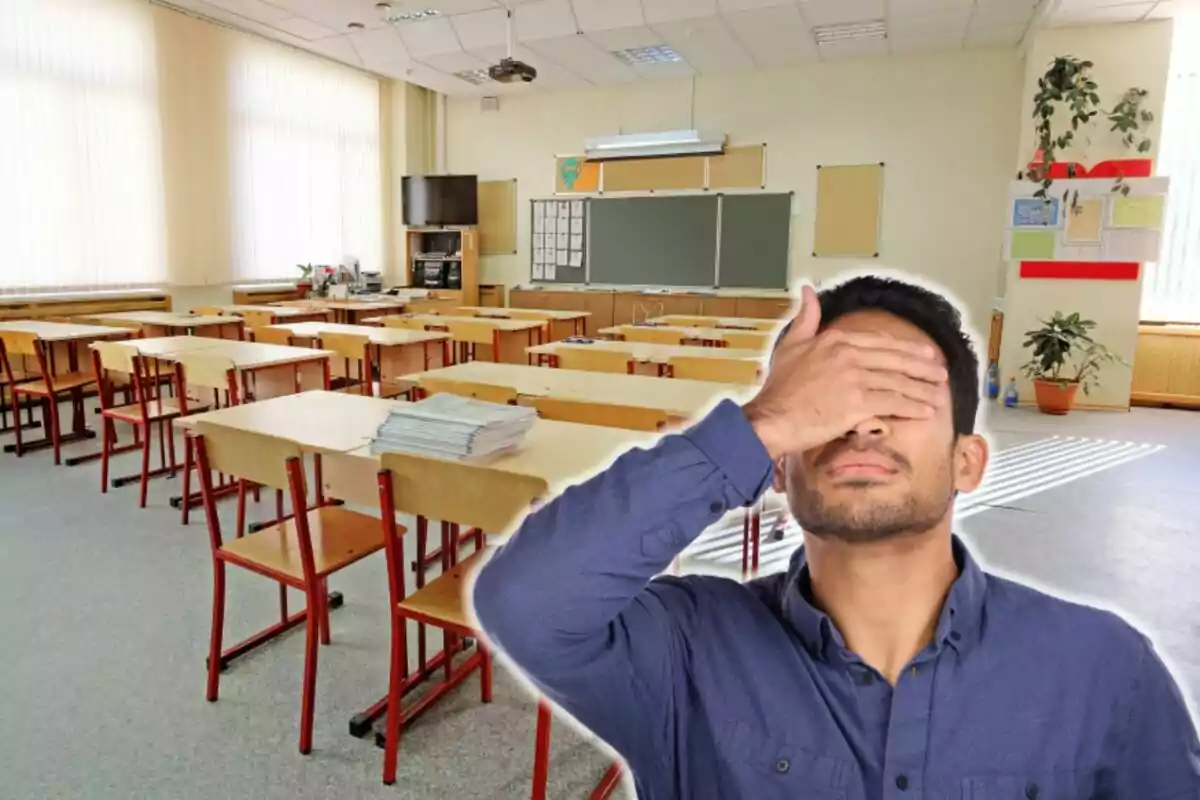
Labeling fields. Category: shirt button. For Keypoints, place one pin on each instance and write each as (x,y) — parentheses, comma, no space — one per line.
(902,782)
(782,766)
(955,635)
(1032,791)
(717,508)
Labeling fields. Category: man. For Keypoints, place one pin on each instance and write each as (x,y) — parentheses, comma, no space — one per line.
(884,663)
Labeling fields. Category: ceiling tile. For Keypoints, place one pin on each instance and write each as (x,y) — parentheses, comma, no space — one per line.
(447,7)
(545,19)
(303,27)
(380,46)
(744,5)
(1078,14)
(430,78)
(707,44)
(925,43)
(773,36)
(834,12)
(995,34)
(585,58)
(481,28)
(455,62)
(339,48)
(625,38)
(1003,12)
(336,14)
(929,22)
(899,8)
(603,15)
(256,10)
(852,48)
(672,69)
(671,10)
(429,37)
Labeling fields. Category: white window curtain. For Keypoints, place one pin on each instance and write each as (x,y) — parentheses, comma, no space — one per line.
(1171,291)
(81,191)
(306,163)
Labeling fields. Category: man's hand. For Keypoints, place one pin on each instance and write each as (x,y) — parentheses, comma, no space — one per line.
(821,386)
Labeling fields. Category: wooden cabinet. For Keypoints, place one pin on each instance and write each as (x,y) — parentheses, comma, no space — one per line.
(491,295)
(1166,366)
(456,249)
(264,295)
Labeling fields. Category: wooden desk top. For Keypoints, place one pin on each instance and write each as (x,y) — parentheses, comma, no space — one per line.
(544,313)
(649,353)
(166,346)
(278,311)
(442,319)
(702,334)
(252,355)
(62,331)
(374,304)
(737,323)
(680,398)
(385,337)
(164,319)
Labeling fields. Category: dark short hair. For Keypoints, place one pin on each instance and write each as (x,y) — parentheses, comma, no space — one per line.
(929,311)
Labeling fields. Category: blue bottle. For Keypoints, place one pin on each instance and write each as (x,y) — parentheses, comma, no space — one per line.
(1010,394)
(993,381)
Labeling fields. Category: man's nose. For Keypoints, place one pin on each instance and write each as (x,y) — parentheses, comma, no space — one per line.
(870,429)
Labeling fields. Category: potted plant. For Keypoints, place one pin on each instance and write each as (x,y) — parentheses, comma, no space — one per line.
(1068,86)
(1065,357)
(305,284)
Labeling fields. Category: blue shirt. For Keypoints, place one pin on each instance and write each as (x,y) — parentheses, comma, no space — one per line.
(714,689)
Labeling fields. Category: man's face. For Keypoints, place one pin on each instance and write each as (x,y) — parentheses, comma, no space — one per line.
(887,476)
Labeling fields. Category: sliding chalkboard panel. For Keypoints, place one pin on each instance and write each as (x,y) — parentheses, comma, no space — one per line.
(659,241)
(755,241)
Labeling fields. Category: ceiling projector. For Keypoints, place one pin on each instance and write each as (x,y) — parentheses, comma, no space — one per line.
(509,70)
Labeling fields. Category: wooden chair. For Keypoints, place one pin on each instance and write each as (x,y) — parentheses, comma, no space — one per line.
(479,391)
(351,347)
(408,323)
(597,360)
(45,386)
(300,552)
(648,335)
(196,371)
(432,489)
(634,418)
(718,370)
(746,340)
(10,375)
(207,311)
(117,365)
(469,335)
(257,319)
(272,335)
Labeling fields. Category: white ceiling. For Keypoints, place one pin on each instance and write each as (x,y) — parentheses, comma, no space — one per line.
(570,42)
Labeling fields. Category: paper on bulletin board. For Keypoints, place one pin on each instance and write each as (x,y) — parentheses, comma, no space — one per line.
(551,225)
(538,271)
(539,256)
(538,224)
(1084,222)
(564,241)
(576,259)
(576,225)
(549,272)
(1031,245)
(564,209)
(576,241)
(577,208)
(561,257)
(1132,244)
(1137,212)
(1035,212)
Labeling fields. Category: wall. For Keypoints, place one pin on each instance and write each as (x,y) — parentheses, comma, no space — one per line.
(946,126)
(1125,56)
(408,149)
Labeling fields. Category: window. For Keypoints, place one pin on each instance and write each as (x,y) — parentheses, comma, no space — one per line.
(81,194)
(1171,292)
(306,163)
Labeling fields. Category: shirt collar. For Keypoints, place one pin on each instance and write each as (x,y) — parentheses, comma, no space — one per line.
(959,625)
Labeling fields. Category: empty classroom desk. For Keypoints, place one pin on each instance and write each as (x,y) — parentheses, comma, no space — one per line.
(713,336)
(560,324)
(508,338)
(398,351)
(640,352)
(278,313)
(348,312)
(167,323)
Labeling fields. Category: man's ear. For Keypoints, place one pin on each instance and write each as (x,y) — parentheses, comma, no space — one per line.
(779,479)
(970,462)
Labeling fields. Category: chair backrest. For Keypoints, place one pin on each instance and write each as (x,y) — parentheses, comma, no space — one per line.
(634,418)
(207,311)
(746,340)
(116,323)
(211,372)
(635,333)
(479,391)
(409,323)
(256,457)
(117,364)
(257,319)
(115,356)
(347,345)
(691,322)
(524,313)
(594,360)
(271,335)
(453,491)
(719,370)
(474,332)
(20,343)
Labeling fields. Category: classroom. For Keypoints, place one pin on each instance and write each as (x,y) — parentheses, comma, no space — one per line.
(331,293)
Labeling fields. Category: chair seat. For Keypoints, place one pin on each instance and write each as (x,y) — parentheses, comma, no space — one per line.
(339,538)
(19,376)
(62,383)
(155,410)
(442,599)
(395,388)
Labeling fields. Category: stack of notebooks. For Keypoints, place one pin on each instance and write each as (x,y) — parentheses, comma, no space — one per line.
(452,427)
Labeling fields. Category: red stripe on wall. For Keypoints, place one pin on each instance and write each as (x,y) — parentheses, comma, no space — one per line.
(1081,270)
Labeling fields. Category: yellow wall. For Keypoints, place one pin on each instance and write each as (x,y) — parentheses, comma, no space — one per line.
(945,125)
(1125,56)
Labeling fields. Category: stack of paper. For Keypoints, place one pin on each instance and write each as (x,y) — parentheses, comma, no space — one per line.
(453,427)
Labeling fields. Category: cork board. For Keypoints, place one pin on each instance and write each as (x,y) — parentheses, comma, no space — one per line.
(655,174)
(849,204)
(738,168)
(576,175)
(497,217)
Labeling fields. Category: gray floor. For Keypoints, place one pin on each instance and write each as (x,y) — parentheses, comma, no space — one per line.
(105,613)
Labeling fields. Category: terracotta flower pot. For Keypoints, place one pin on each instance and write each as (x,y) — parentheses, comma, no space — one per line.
(1054,397)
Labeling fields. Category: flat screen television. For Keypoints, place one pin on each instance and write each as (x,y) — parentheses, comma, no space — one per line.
(440,199)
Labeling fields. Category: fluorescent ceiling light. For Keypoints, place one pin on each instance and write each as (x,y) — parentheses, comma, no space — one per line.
(664,143)
(654,54)
(871,29)
(475,76)
(412,16)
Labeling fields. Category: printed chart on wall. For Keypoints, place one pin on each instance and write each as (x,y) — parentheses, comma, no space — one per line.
(558,249)
(1087,230)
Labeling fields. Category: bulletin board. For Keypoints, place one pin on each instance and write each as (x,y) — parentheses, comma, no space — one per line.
(651,174)
(849,211)
(739,168)
(576,175)
(559,240)
(498,217)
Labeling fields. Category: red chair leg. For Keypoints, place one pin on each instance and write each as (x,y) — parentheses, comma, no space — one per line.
(485,673)
(323,599)
(218,625)
(145,484)
(187,476)
(171,445)
(541,752)
(105,449)
(308,699)
(399,659)
(241,508)
(55,437)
